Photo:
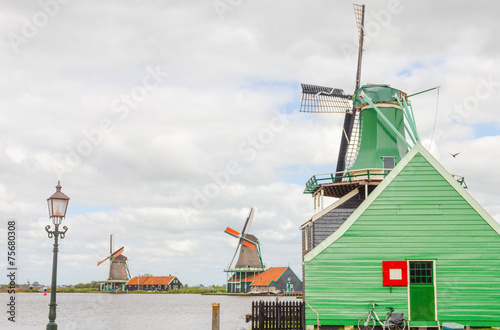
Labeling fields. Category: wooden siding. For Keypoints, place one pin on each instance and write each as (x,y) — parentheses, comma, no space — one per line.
(330,222)
(417,216)
(283,280)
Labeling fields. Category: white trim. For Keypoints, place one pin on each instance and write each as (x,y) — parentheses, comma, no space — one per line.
(408,290)
(335,204)
(331,207)
(381,105)
(434,284)
(305,224)
(434,265)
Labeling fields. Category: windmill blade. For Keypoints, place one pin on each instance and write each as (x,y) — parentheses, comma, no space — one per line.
(103,260)
(353,143)
(346,138)
(117,252)
(248,223)
(128,271)
(111,244)
(320,99)
(359,12)
(232,232)
(234,256)
(248,243)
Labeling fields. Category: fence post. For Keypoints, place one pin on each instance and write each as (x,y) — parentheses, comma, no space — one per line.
(215,316)
(302,315)
(254,315)
(261,314)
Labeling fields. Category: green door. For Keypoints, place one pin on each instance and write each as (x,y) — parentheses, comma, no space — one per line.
(422,299)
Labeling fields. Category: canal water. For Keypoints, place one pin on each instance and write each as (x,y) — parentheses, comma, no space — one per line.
(105,311)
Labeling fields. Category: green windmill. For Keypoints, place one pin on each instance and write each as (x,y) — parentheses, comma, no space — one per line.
(377,120)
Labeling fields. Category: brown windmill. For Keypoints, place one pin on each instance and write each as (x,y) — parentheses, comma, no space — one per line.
(249,261)
(118,268)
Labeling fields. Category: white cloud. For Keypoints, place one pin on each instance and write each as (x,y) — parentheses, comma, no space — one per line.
(212,122)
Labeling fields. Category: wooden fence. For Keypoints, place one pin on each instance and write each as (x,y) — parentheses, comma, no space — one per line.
(286,315)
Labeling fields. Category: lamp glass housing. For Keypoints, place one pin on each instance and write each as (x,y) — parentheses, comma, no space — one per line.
(57,207)
(58,203)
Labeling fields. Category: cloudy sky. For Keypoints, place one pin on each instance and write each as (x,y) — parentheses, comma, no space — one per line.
(166,121)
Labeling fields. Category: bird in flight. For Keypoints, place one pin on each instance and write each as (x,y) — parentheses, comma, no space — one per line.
(454,155)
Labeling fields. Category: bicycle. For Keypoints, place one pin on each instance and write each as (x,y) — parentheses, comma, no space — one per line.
(393,321)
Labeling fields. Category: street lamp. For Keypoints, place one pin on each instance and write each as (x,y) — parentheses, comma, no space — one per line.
(58,204)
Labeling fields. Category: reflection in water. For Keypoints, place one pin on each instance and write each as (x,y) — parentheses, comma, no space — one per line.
(108,311)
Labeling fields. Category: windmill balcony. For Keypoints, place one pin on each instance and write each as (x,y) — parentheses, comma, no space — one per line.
(340,183)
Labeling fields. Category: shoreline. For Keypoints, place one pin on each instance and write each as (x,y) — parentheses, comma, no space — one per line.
(298,296)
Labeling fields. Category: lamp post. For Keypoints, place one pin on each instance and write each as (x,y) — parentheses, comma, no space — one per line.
(58,204)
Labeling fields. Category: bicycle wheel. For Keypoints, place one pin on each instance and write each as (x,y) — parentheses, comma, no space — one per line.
(366,322)
(401,326)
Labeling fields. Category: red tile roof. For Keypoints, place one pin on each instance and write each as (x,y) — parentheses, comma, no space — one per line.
(271,275)
(151,280)
(138,280)
(159,280)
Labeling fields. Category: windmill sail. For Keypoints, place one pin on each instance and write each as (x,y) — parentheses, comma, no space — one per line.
(249,257)
(350,118)
(354,142)
(320,99)
(248,223)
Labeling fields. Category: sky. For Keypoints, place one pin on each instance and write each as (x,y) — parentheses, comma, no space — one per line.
(166,121)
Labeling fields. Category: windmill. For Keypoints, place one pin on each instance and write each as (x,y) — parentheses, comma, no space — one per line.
(373,135)
(118,268)
(249,261)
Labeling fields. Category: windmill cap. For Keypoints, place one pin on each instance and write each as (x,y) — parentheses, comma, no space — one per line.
(379,93)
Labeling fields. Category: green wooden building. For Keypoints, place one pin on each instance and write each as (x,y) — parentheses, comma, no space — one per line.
(417,242)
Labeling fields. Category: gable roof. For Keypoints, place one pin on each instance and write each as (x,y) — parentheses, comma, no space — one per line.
(150,280)
(273,274)
(159,280)
(418,149)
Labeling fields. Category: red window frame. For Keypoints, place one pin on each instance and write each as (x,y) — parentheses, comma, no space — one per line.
(395,265)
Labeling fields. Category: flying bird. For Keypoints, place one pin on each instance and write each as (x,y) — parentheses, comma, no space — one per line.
(454,155)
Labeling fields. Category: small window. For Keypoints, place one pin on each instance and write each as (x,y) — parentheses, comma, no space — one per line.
(421,272)
(389,163)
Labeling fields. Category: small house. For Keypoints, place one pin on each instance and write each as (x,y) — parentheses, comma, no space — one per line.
(276,280)
(154,283)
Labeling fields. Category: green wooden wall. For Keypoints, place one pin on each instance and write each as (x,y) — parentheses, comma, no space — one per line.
(418,215)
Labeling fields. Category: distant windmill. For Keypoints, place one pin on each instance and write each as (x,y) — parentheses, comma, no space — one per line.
(249,263)
(248,246)
(118,268)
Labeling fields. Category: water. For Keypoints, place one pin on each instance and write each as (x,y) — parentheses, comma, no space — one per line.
(129,311)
